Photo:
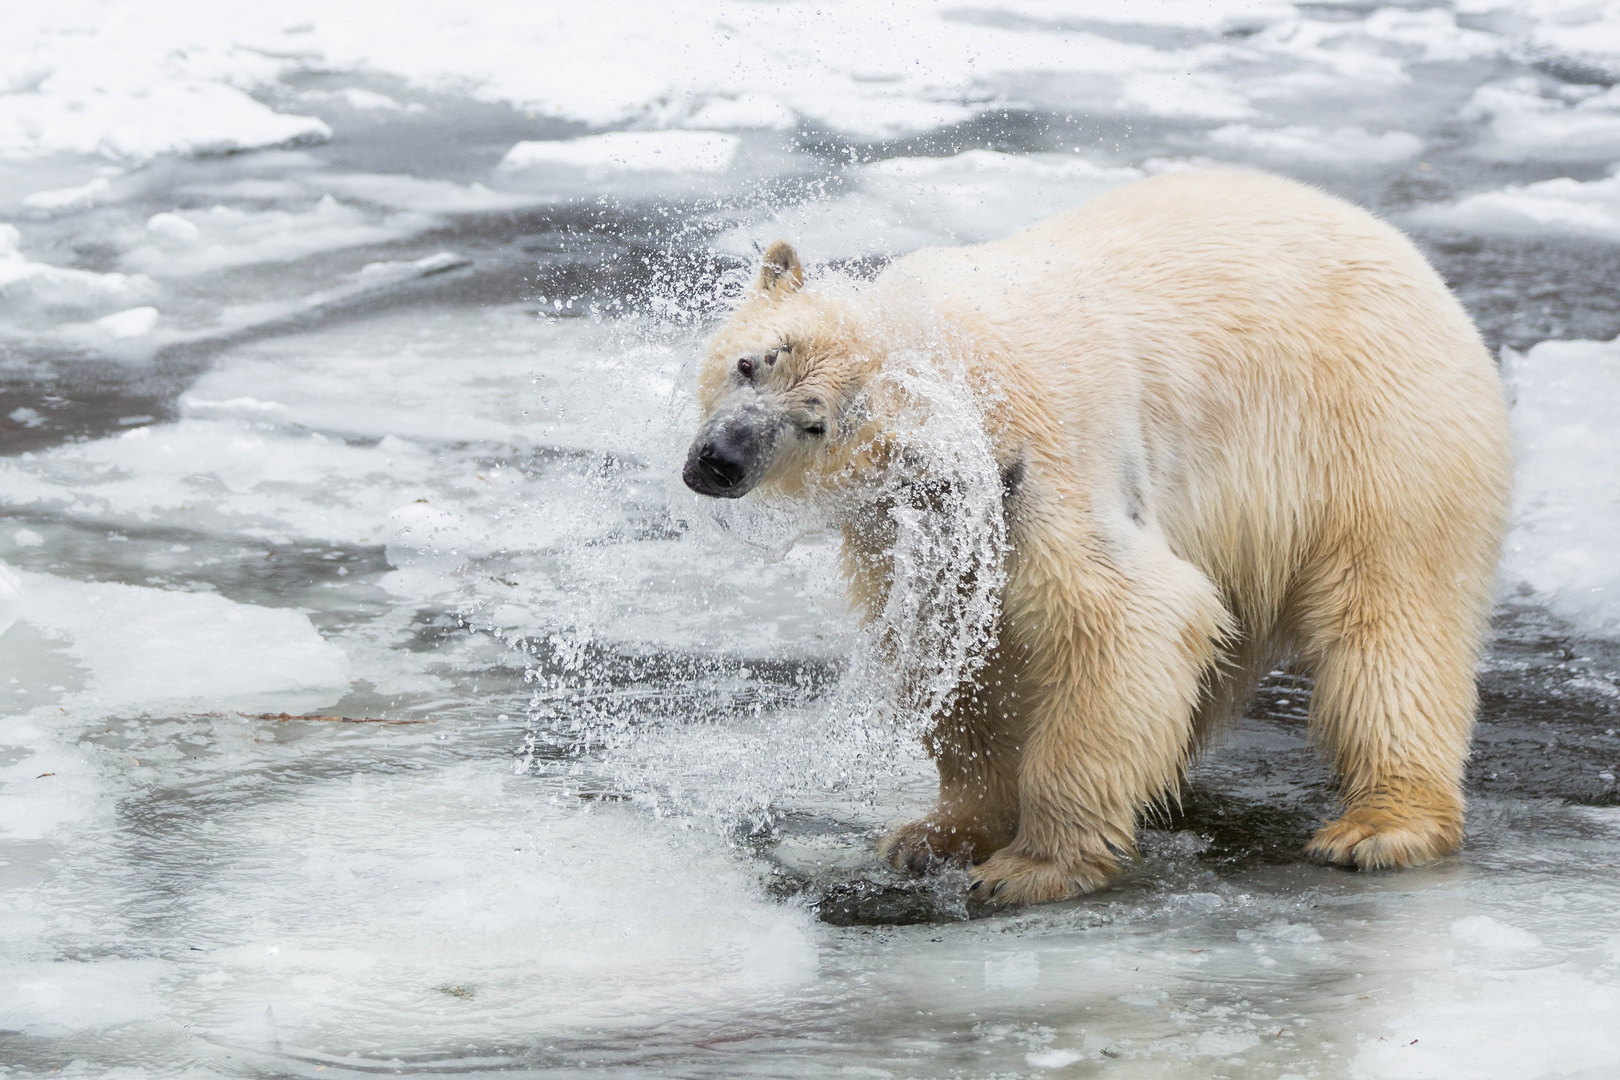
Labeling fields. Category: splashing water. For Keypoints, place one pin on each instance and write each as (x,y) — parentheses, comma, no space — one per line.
(943,499)
(936,503)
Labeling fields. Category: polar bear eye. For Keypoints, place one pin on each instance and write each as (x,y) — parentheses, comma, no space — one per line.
(745,367)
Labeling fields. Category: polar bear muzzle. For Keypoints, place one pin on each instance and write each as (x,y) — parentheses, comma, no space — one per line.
(732,451)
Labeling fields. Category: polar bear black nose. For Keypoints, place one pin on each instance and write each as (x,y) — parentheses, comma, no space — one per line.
(723,470)
(728,457)
(718,467)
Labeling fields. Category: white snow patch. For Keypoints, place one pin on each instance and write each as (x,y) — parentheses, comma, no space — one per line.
(1203,14)
(1521,124)
(901,204)
(1484,932)
(84,195)
(628,151)
(145,648)
(136,335)
(184,243)
(11,586)
(33,293)
(1225,1043)
(1566,514)
(369,100)
(396,191)
(744,112)
(1586,209)
(1335,146)
(53,998)
(1053,1059)
(128,80)
(192,405)
(84,114)
(133,322)
(1434,31)
(404,192)
(1583,28)
(1546,1023)
(1193,94)
(378,900)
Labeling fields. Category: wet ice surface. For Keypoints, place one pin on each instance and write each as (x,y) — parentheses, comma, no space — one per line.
(382,420)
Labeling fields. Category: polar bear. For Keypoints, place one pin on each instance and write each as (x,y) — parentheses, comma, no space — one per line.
(1238,420)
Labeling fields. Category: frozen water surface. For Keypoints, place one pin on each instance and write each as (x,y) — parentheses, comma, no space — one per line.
(343,374)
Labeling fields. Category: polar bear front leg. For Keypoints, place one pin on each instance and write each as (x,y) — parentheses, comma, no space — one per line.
(1116,647)
(975,746)
(977,814)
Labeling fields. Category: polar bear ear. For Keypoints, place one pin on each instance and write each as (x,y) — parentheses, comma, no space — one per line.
(781,272)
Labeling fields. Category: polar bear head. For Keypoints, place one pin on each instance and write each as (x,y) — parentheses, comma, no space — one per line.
(776,388)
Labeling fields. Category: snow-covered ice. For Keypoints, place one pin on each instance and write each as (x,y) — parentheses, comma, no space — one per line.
(1567,500)
(1338,145)
(39,292)
(898,204)
(628,151)
(1587,209)
(376,700)
(1522,123)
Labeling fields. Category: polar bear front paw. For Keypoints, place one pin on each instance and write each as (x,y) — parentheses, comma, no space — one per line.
(1010,878)
(932,842)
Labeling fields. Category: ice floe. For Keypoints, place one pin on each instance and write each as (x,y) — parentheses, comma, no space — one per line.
(739,65)
(46,998)
(1333,146)
(133,123)
(1566,395)
(1582,28)
(628,151)
(78,197)
(1548,1023)
(37,296)
(144,648)
(128,84)
(1522,123)
(181,243)
(1588,209)
(901,204)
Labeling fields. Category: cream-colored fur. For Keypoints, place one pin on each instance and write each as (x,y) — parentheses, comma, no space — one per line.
(1247,421)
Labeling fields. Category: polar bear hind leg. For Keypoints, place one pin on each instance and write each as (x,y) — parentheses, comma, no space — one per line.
(1394,643)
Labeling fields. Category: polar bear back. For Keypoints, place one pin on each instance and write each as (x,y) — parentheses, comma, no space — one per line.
(1287,372)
